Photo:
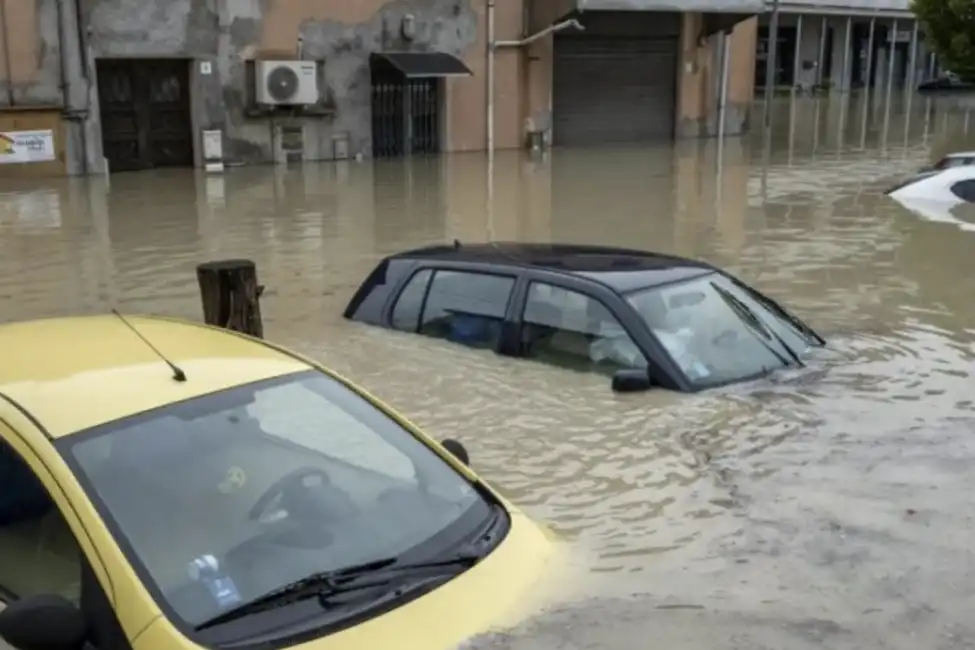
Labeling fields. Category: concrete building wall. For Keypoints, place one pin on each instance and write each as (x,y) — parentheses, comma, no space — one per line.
(54,48)
(699,79)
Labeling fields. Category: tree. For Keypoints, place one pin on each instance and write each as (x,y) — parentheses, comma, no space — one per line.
(949,30)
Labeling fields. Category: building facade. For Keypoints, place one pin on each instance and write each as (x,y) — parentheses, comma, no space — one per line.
(844,45)
(136,84)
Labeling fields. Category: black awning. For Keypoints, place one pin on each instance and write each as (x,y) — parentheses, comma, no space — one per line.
(417,65)
(722,22)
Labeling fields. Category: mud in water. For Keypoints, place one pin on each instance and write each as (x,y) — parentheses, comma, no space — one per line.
(830,508)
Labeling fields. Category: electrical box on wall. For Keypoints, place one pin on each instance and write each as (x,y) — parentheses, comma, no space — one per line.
(286,83)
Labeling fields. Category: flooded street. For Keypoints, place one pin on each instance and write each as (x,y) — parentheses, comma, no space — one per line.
(831,508)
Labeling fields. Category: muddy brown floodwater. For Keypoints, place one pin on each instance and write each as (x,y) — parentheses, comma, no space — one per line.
(829,508)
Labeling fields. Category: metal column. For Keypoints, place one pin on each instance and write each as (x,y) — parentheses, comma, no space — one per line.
(820,70)
(796,55)
(912,70)
(890,57)
(771,56)
(868,83)
(845,78)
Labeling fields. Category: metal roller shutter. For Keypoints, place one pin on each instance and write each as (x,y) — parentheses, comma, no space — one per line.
(614,89)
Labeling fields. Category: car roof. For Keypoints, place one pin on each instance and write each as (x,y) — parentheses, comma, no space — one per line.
(960,154)
(73,373)
(621,269)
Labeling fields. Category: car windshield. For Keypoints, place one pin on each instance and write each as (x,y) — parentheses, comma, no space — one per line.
(717,331)
(266,484)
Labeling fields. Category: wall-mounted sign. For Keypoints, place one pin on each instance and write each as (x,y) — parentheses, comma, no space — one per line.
(206,67)
(26,146)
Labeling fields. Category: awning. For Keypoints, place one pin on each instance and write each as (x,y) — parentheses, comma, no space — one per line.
(713,6)
(419,65)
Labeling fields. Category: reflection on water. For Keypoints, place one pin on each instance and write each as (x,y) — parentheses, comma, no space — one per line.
(829,506)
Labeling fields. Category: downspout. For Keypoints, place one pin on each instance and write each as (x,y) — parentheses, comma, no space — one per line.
(490,77)
(494,45)
(62,60)
(6,54)
(723,92)
(85,53)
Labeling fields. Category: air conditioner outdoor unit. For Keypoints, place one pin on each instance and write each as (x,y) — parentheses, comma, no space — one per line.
(286,83)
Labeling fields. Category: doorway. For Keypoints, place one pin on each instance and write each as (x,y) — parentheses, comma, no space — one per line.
(405,113)
(145,113)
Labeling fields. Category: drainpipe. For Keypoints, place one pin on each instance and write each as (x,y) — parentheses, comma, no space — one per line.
(723,93)
(490,77)
(62,59)
(494,45)
(6,54)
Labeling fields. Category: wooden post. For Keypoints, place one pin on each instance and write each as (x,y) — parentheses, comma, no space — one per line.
(230,295)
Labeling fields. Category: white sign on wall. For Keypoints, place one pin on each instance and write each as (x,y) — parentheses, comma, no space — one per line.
(26,146)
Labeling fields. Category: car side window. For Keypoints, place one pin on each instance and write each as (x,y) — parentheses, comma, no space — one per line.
(406,311)
(466,307)
(964,190)
(568,328)
(40,554)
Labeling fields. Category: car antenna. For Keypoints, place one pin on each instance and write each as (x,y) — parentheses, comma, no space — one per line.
(178,374)
(456,243)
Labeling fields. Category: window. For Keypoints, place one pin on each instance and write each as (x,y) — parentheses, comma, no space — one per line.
(466,307)
(964,190)
(567,328)
(275,480)
(406,311)
(38,550)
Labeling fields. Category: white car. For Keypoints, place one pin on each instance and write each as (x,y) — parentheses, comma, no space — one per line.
(932,195)
(957,159)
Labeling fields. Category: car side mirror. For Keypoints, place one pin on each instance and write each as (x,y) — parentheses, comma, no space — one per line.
(629,380)
(44,622)
(456,449)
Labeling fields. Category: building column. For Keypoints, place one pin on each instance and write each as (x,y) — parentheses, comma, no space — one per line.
(842,62)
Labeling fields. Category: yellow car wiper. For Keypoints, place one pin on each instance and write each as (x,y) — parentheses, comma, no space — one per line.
(332,583)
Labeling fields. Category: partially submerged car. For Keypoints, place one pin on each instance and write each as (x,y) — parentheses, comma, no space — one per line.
(956,159)
(646,319)
(946,82)
(165,485)
(948,185)
(934,195)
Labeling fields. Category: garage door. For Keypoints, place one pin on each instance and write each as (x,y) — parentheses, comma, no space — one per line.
(614,89)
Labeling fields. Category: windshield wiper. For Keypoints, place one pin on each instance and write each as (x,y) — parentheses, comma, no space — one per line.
(761,331)
(326,584)
(784,313)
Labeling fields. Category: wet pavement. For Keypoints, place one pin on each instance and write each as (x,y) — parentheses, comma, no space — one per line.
(831,507)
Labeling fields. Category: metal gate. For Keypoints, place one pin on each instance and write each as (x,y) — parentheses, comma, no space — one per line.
(405,114)
(145,113)
(611,89)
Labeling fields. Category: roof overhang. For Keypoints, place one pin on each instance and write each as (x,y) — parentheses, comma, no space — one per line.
(748,7)
(423,65)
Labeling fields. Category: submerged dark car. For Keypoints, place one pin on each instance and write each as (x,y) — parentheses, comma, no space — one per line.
(646,319)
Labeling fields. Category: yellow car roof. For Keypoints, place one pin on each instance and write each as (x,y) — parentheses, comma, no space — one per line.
(74,373)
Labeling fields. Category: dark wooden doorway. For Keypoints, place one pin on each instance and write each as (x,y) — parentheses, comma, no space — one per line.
(145,113)
(405,114)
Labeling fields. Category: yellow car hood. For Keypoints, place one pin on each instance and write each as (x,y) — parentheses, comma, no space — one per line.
(500,591)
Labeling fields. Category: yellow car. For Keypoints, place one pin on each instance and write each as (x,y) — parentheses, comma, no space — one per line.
(169,485)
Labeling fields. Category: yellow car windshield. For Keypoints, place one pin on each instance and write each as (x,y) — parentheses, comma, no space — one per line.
(224,498)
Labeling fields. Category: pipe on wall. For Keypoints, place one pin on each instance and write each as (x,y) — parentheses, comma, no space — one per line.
(490,77)
(63,82)
(723,92)
(493,45)
(6,54)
